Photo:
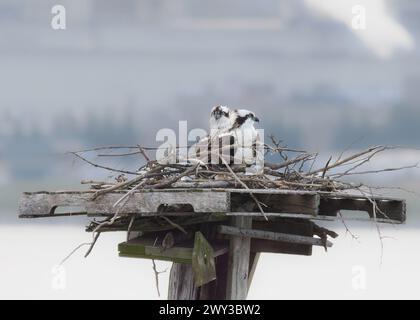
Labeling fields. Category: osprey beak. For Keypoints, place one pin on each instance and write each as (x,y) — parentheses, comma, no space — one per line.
(256,119)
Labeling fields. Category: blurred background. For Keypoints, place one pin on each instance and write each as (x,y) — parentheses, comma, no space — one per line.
(317,75)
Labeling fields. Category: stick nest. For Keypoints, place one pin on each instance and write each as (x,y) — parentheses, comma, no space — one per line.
(291,169)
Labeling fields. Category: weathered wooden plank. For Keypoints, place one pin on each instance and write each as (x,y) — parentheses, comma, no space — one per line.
(332,215)
(289,226)
(274,236)
(328,218)
(352,195)
(147,248)
(45,203)
(360,219)
(144,248)
(277,202)
(181,283)
(281,203)
(239,255)
(386,208)
(145,202)
(273,215)
(271,191)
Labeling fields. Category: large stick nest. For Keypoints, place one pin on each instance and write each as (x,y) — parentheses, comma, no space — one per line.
(291,169)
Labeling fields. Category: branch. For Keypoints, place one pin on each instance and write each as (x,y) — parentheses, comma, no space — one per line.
(101,166)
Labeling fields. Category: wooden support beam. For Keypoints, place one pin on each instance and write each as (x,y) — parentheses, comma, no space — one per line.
(274,236)
(147,248)
(288,226)
(238,267)
(151,224)
(181,283)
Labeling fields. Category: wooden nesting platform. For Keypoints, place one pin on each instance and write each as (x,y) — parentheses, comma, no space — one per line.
(229,202)
(213,234)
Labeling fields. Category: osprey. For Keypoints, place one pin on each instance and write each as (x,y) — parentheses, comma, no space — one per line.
(220,120)
(233,137)
(241,118)
(247,141)
(219,123)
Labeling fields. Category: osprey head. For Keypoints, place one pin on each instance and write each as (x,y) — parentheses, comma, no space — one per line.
(244,116)
(220,111)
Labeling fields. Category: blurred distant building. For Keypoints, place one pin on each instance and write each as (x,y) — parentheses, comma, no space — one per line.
(38,12)
(185,13)
(220,14)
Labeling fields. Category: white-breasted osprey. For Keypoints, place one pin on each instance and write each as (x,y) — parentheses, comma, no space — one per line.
(246,141)
(219,123)
(220,120)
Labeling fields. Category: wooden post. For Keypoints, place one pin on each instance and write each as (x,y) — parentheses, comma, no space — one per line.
(182,286)
(181,283)
(238,267)
(253,262)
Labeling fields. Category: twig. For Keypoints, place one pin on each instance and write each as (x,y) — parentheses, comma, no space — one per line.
(175,225)
(276,166)
(171,181)
(126,183)
(74,251)
(96,237)
(118,154)
(355,156)
(143,152)
(94,182)
(157,273)
(326,167)
(347,228)
(130,225)
(121,147)
(414,166)
(101,166)
(348,148)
